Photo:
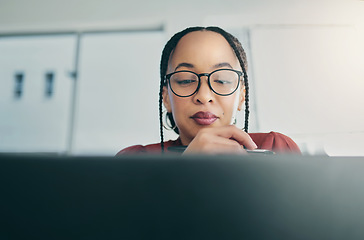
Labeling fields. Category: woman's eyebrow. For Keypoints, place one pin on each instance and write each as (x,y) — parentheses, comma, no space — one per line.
(184,64)
(190,65)
(223,64)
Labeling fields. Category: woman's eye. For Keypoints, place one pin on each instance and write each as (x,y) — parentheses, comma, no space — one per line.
(222,82)
(185,82)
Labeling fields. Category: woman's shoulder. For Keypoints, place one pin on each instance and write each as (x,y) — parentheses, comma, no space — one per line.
(275,141)
(150,148)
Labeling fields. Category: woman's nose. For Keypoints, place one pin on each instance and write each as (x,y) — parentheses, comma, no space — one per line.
(204,93)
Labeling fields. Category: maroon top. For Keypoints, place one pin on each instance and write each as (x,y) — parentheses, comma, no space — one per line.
(273,141)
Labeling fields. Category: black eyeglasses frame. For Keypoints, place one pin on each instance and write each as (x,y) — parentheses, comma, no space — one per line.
(168,77)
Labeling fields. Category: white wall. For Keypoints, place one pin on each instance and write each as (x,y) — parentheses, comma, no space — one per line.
(272,27)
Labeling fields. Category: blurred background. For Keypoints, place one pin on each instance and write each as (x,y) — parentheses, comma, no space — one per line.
(82,77)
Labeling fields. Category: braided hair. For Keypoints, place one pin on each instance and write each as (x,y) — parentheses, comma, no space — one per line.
(171,45)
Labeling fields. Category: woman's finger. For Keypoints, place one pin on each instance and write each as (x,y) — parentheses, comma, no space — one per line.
(234,133)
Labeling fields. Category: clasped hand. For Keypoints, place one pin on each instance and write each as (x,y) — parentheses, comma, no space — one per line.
(221,140)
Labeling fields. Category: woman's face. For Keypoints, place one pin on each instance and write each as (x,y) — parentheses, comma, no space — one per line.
(202,52)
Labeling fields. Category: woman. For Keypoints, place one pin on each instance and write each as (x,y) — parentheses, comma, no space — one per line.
(204,83)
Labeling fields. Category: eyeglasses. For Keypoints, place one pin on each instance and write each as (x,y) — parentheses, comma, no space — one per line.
(223,82)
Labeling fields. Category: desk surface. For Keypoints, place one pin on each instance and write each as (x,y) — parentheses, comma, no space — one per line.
(169,197)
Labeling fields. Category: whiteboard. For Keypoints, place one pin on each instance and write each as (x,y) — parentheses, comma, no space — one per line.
(309,82)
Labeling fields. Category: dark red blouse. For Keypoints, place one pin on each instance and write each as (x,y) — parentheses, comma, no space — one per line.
(273,141)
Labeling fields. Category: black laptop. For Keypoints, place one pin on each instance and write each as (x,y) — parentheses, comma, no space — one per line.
(175,197)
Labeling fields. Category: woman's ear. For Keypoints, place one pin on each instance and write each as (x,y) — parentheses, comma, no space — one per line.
(166,100)
(241,98)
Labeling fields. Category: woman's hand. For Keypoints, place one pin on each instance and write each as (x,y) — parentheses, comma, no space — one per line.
(221,140)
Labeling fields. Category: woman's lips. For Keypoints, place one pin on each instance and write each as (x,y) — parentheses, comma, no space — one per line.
(204,118)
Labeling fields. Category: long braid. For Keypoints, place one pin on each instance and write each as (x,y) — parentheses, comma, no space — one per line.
(160,115)
(170,46)
(247,111)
